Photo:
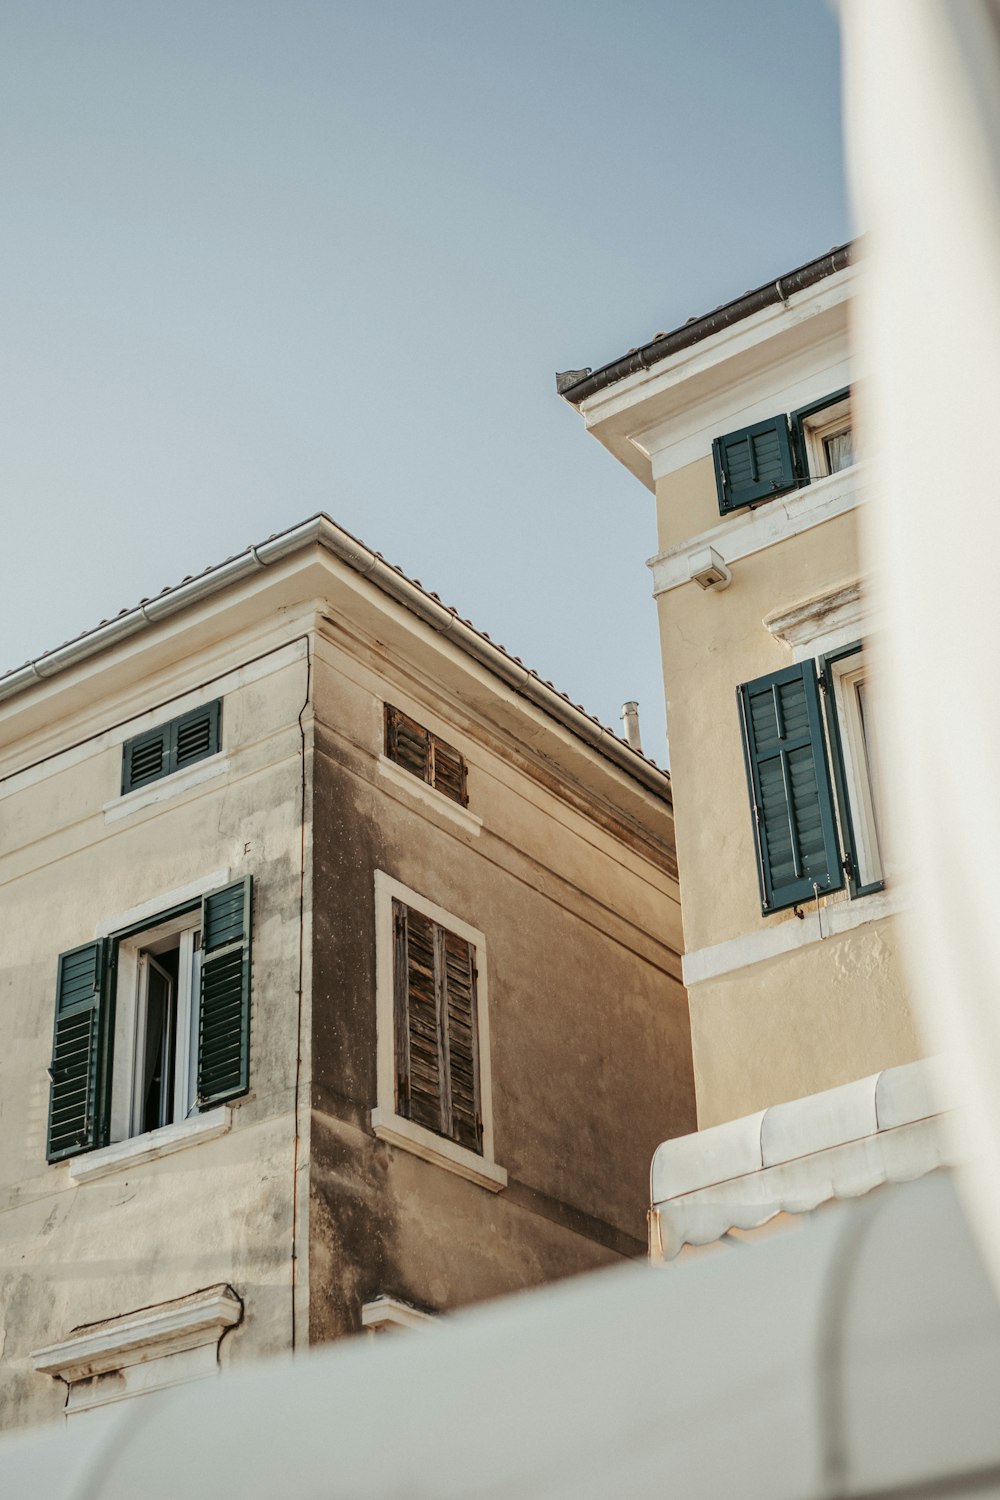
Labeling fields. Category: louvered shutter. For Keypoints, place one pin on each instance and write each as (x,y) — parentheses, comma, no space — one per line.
(194,735)
(79,1053)
(790,791)
(146,758)
(458,965)
(753,463)
(448,771)
(437,1042)
(224,1003)
(406,742)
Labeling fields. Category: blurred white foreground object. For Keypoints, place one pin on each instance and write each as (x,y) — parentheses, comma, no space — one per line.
(922,87)
(858,1356)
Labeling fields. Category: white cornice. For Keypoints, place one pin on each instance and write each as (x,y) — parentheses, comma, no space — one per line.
(838,610)
(764,526)
(150,1333)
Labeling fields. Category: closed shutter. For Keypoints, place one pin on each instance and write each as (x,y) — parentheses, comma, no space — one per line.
(224,1006)
(436,1037)
(407,742)
(448,771)
(146,758)
(79,1053)
(790,790)
(195,735)
(753,463)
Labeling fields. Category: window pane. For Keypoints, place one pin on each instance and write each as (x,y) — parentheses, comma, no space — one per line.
(839,451)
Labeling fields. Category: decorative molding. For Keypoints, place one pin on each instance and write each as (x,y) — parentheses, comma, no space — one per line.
(842,611)
(386,1313)
(138,1149)
(137,1337)
(165,901)
(786,936)
(421,792)
(438,1149)
(763,526)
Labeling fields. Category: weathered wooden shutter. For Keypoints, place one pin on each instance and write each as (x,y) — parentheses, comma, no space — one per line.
(79,1053)
(194,735)
(224,1007)
(753,463)
(448,771)
(458,965)
(146,758)
(436,1036)
(790,792)
(406,742)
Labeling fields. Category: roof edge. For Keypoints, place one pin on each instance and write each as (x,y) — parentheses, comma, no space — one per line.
(321,530)
(576,385)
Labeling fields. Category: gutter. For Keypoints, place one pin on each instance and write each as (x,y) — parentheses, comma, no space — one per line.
(576,385)
(320,530)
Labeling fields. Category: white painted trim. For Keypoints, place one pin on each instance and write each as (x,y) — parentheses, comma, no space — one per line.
(432,798)
(385,1313)
(136,1337)
(138,1149)
(787,936)
(163,902)
(165,789)
(389,1126)
(754,530)
(840,614)
(386,1123)
(708,354)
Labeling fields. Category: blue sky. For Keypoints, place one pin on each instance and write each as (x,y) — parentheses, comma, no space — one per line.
(265,259)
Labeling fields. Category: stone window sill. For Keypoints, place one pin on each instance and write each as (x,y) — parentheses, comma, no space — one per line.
(435,1148)
(151,1146)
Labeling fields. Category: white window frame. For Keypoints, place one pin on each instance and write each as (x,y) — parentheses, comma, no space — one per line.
(130,1016)
(387,1123)
(858,760)
(818,428)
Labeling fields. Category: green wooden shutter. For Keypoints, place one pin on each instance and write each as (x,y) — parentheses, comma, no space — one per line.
(79,1053)
(194,735)
(224,1005)
(753,463)
(146,758)
(790,792)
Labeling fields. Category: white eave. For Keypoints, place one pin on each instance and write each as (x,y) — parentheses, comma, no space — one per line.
(793,1157)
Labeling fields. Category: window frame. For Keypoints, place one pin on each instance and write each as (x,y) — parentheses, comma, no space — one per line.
(808,434)
(853,781)
(387,1122)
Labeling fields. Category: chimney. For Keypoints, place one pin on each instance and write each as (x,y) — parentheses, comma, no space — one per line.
(630,718)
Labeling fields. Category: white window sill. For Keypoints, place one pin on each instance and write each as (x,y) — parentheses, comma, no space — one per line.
(151,1146)
(421,792)
(165,788)
(437,1149)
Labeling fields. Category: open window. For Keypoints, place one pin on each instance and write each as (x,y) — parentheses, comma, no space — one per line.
(152,1023)
(844,677)
(824,436)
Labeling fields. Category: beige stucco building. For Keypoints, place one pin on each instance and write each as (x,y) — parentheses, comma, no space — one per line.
(740,424)
(353,951)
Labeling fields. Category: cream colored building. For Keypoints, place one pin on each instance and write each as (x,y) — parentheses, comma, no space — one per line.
(740,424)
(352,950)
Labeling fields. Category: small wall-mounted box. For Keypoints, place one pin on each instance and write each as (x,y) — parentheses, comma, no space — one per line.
(708,570)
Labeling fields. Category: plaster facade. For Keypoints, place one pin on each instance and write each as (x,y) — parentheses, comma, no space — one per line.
(286,1198)
(794,1001)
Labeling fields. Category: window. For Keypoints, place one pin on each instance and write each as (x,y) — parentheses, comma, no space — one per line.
(169,748)
(753,464)
(413,747)
(152,1024)
(797,757)
(824,436)
(434,1095)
